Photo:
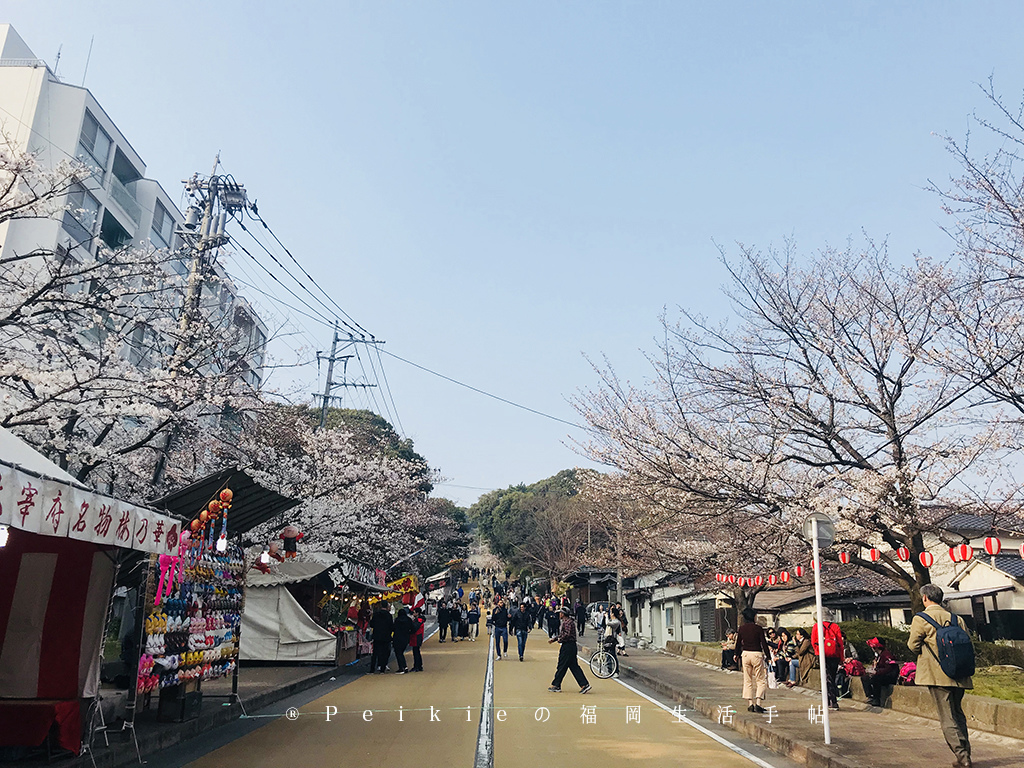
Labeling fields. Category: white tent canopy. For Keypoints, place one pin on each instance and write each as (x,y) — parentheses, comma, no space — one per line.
(274,626)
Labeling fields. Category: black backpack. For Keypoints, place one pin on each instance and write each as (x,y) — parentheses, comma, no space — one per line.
(956,652)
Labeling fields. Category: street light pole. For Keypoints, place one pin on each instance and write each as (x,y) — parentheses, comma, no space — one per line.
(816,565)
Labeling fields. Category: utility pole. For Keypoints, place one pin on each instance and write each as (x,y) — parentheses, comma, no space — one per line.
(215,198)
(330,376)
(330,385)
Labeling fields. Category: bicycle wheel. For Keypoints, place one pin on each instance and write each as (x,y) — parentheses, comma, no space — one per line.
(602,664)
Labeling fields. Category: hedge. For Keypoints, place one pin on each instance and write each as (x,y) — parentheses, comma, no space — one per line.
(859,632)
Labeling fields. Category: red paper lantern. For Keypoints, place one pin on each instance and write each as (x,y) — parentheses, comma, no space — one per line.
(926,559)
(954,554)
(844,558)
(799,571)
(732,579)
(993,545)
(874,554)
(815,565)
(1022,551)
(903,554)
(771,580)
(966,552)
(758,581)
(784,577)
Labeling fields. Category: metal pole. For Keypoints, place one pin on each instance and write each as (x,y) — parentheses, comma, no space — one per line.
(330,376)
(816,565)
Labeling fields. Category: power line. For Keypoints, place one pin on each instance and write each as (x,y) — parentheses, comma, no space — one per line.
(254,213)
(482,392)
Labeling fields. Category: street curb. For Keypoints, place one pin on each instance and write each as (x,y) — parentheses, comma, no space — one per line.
(810,754)
(121,753)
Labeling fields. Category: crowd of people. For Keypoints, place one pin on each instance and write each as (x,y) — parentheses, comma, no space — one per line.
(768,656)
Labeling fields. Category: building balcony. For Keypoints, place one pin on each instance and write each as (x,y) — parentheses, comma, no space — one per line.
(125,200)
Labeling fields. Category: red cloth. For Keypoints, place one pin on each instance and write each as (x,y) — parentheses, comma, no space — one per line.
(25,722)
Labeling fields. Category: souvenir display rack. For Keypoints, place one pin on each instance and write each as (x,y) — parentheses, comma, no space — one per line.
(191,632)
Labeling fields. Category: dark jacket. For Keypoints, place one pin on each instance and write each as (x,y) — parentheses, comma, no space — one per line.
(403,629)
(499,617)
(382,625)
(751,637)
(442,615)
(520,621)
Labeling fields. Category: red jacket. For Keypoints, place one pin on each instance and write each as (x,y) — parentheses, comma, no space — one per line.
(416,638)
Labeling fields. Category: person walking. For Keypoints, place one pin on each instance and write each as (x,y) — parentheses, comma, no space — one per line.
(934,668)
(382,626)
(833,636)
(554,614)
(454,618)
(442,620)
(538,611)
(401,635)
(499,618)
(520,623)
(567,660)
(581,616)
(473,618)
(752,649)
(416,639)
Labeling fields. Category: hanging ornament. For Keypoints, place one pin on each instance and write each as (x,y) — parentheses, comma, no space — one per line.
(815,565)
(226,496)
(926,559)
(784,577)
(954,554)
(195,525)
(204,516)
(993,545)
(874,554)
(844,558)
(732,579)
(966,552)
(758,581)
(799,571)
(1022,551)
(771,580)
(903,554)
(215,507)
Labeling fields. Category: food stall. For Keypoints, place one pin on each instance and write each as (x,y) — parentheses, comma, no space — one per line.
(60,547)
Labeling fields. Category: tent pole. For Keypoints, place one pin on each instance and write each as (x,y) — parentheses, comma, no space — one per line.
(96,707)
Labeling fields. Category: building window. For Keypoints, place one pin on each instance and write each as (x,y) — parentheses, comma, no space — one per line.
(690,614)
(95,143)
(669,616)
(82,212)
(162,232)
(84,207)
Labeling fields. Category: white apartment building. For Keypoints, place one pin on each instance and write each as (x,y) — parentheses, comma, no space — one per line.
(118,206)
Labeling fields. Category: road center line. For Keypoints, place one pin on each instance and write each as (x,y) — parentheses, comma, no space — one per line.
(485,736)
(683,719)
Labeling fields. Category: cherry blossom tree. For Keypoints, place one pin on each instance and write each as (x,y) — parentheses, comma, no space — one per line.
(95,370)
(367,504)
(827,395)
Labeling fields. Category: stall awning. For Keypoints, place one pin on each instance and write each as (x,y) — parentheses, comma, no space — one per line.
(252,505)
(290,572)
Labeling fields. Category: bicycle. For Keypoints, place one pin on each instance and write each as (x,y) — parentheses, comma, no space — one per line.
(603,662)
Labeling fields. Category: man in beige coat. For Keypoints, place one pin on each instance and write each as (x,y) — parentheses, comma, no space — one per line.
(947,692)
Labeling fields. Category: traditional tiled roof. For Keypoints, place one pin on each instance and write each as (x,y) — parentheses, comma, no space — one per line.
(1012,565)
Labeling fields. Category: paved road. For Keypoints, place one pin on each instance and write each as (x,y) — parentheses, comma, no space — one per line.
(428,719)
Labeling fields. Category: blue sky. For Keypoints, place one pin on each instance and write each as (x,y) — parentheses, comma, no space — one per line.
(497,188)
